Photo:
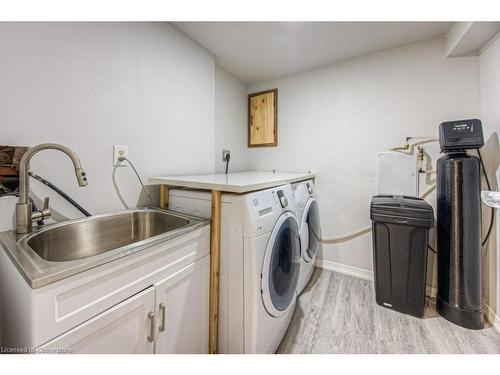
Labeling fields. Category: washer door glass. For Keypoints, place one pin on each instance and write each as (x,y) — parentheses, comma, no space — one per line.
(311,213)
(284,264)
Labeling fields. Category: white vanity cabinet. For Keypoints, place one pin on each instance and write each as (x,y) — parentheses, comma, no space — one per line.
(124,328)
(179,324)
(154,301)
(182,310)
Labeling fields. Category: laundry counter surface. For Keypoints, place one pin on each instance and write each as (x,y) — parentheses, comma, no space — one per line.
(239,182)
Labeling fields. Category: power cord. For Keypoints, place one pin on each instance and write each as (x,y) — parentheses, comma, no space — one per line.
(122,158)
(228,156)
(492,217)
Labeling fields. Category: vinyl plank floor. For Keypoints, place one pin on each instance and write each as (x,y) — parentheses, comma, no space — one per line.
(337,313)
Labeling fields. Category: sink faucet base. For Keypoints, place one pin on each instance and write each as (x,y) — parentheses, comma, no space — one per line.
(24,222)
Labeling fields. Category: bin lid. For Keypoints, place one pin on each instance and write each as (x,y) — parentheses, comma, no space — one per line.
(401,206)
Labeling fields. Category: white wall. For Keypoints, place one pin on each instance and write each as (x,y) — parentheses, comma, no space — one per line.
(92,85)
(490,114)
(146,85)
(230,121)
(489,61)
(333,120)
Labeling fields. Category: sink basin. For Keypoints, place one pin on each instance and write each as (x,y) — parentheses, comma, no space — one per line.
(55,252)
(99,234)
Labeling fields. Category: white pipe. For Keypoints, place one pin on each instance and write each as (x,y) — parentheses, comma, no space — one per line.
(408,148)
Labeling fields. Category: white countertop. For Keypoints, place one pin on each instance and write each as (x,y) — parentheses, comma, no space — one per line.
(239,182)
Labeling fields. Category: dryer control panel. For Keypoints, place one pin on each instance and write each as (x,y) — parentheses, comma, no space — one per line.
(302,192)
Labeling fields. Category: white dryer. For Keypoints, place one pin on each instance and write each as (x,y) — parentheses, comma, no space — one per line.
(308,216)
(259,264)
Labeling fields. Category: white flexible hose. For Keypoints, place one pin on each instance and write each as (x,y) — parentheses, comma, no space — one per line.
(367,229)
(347,237)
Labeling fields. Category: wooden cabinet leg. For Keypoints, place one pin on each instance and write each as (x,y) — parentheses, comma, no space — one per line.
(214,271)
(164,196)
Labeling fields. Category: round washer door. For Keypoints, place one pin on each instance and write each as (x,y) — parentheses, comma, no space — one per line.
(280,271)
(310,229)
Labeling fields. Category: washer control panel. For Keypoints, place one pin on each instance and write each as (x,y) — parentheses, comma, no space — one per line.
(265,202)
(283,200)
(309,188)
(265,206)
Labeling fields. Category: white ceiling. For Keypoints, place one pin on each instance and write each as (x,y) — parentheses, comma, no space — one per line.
(256,51)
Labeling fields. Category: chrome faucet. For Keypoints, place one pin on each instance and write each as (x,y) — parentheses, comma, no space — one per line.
(24,216)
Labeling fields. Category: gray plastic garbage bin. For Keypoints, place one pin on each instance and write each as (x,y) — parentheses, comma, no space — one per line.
(400,227)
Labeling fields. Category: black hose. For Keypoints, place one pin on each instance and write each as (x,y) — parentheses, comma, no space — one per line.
(60,192)
(492,216)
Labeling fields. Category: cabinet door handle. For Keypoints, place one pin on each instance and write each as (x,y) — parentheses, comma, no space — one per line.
(151,317)
(162,309)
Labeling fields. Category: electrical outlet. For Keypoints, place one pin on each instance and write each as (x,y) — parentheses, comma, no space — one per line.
(119,151)
(225,153)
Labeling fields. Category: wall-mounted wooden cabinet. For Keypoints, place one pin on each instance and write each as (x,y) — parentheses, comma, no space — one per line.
(263,118)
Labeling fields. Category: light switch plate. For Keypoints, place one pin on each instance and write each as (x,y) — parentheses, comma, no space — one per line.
(119,151)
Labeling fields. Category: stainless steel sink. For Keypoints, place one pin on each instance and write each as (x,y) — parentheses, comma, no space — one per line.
(55,252)
(99,234)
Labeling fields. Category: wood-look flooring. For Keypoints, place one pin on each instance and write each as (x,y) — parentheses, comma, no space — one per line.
(337,313)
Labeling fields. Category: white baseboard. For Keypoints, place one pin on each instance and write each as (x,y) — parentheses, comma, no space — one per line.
(345,269)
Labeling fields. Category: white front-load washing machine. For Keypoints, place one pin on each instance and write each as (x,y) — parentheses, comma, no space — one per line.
(308,216)
(259,264)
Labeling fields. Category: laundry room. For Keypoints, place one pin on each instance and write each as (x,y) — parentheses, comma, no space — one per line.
(198,182)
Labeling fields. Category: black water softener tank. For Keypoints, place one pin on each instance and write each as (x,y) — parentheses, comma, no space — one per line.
(459,224)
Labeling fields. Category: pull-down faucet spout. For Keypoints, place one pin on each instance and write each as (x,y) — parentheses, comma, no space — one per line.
(24,216)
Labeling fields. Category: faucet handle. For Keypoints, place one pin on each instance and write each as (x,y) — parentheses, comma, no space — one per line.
(46,203)
(46,211)
(42,214)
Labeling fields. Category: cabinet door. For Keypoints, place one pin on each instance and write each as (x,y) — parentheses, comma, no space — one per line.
(263,118)
(182,310)
(124,328)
